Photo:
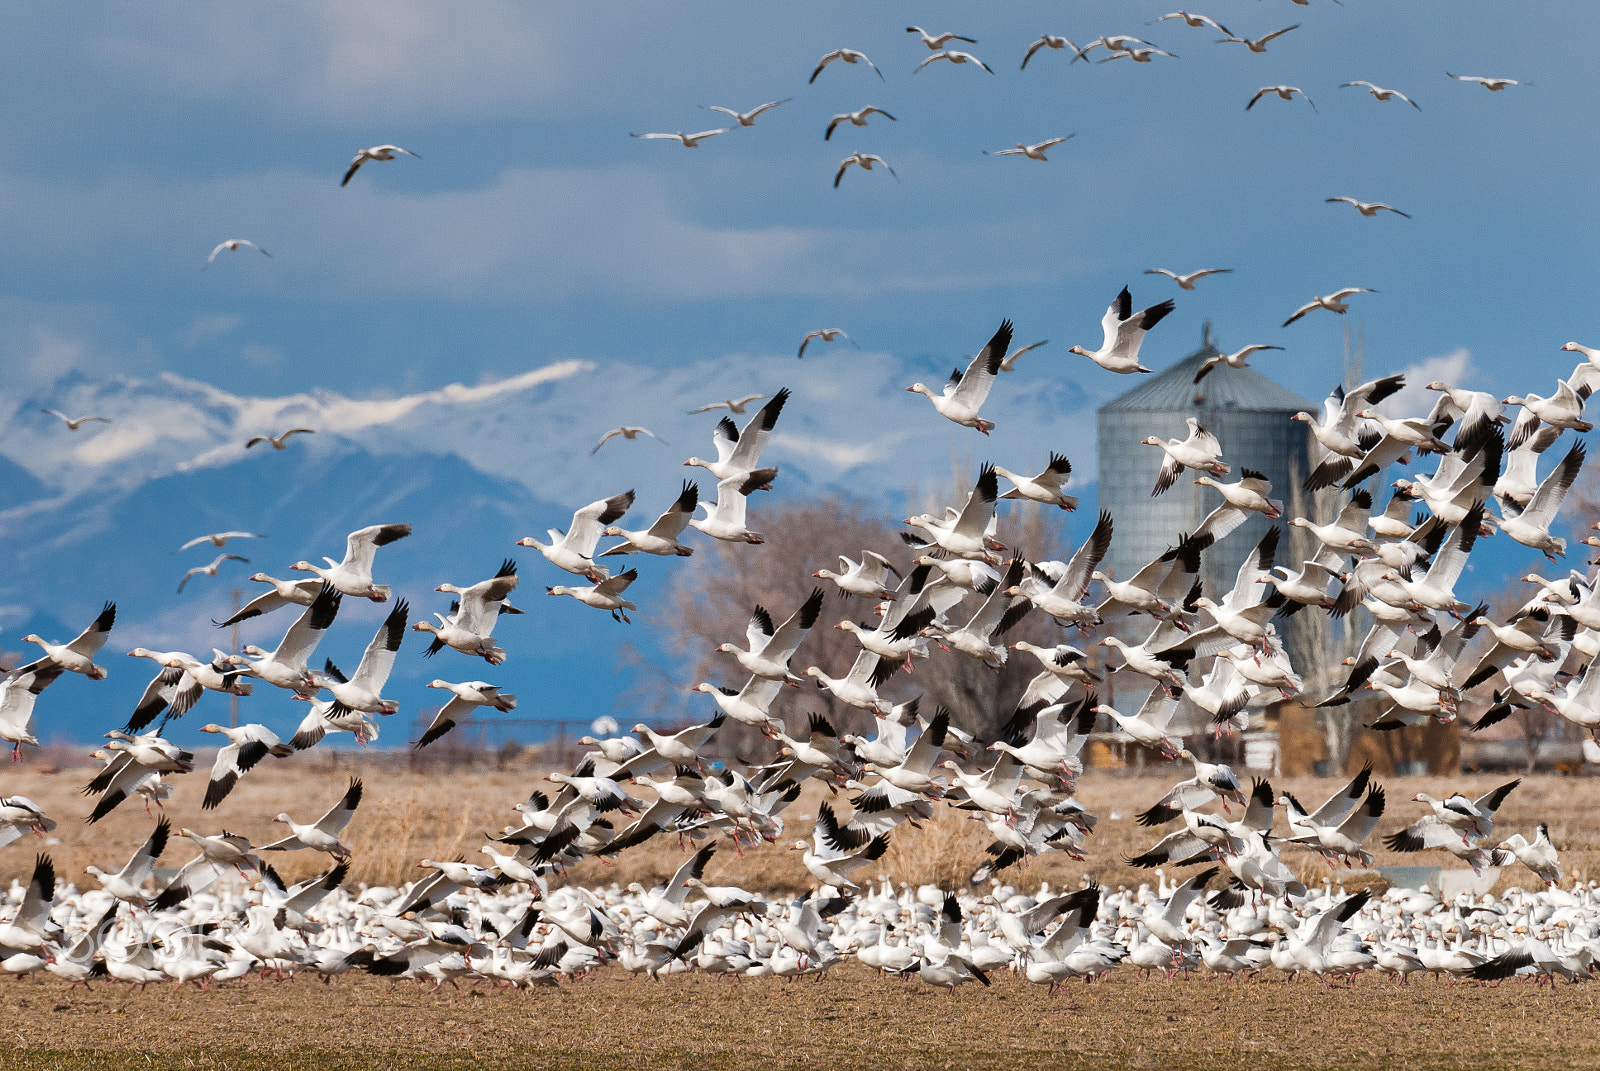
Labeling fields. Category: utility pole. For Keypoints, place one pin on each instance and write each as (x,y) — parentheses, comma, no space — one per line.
(233,697)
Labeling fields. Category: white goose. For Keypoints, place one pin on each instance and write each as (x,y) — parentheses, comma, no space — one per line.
(1379,93)
(867,579)
(859,687)
(18,695)
(1236,359)
(1186,282)
(1066,599)
(286,667)
(467,697)
(353,576)
(377,152)
(1045,488)
(364,690)
(1124,333)
(1333,302)
(855,118)
(846,55)
(964,393)
(739,452)
(247,745)
(1035,151)
(727,521)
(77,656)
(771,648)
(323,834)
(283,593)
(606,595)
(1200,450)
(968,534)
(1531,526)
(955,57)
(573,550)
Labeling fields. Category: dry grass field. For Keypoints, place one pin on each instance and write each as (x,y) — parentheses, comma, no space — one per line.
(851,1018)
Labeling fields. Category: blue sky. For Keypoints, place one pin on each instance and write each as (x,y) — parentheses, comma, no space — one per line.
(643,278)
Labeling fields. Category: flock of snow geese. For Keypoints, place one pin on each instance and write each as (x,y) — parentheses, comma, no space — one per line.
(507,920)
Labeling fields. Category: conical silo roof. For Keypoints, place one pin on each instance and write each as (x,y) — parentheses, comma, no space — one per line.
(1175,390)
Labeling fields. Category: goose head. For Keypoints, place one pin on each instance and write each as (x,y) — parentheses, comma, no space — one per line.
(427,626)
(526,541)
(920,388)
(305,567)
(1080,351)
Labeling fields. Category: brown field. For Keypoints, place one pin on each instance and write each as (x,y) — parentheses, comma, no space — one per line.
(615,1021)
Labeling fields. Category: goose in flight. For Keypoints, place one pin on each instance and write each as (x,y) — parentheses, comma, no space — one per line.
(747,118)
(353,576)
(1366,208)
(726,521)
(209,570)
(1200,450)
(1333,302)
(606,595)
(233,245)
(627,432)
(574,549)
(1138,55)
(363,691)
(688,141)
(247,745)
(732,405)
(662,536)
(1531,526)
(77,656)
(1195,21)
(826,334)
(286,667)
(1232,360)
(1257,44)
(838,850)
(128,883)
(18,694)
(1380,93)
(466,697)
(856,118)
(1010,363)
(1282,92)
(868,579)
(954,56)
(936,42)
(863,160)
(470,626)
(738,452)
(1045,487)
(283,593)
(1032,152)
(323,834)
(73,424)
(1124,332)
(965,392)
(1049,40)
(1186,282)
(771,648)
(377,152)
(848,55)
(218,539)
(279,442)
(1493,85)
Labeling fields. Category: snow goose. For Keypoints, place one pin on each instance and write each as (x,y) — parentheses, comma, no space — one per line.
(661,537)
(218,539)
(1138,55)
(133,761)
(1436,589)
(208,570)
(1522,636)
(1045,487)
(128,883)
(825,334)
(847,55)
(1515,487)
(1194,21)
(247,745)
(1339,840)
(80,962)
(688,141)
(377,152)
(74,423)
(1333,302)
(1186,282)
(1531,526)
(934,42)
(18,815)
(1379,93)
(573,550)
(732,405)
(1237,359)
(1158,588)
(31,926)
(286,666)
(364,690)
(1035,151)
(968,535)
(606,595)
(770,649)
(964,393)
(1164,919)
(727,521)
(1564,409)
(954,56)
(855,118)
(283,593)
(915,773)
(1049,41)
(18,694)
(1124,333)
(1340,432)
(1308,949)
(77,656)
(868,579)
(279,442)
(323,834)
(1065,600)
(1202,834)
(739,452)
(467,697)
(1346,534)
(1366,208)
(863,160)
(1002,610)
(233,245)
(353,575)
(1149,726)
(1538,855)
(859,687)
(1493,85)
(1282,93)
(1256,44)
(747,118)
(1200,450)
(835,851)
(628,432)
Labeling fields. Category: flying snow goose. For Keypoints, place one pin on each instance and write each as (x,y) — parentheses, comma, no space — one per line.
(661,537)
(1200,450)
(323,834)
(1251,493)
(1516,486)
(30,927)
(279,442)
(1194,21)
(1035,151)
(1186,282)
(1347,533)
(1341,840)
(1138,55)
(209,570)
(1366,208)
(863,160)
(1111,43)
(1049,40)
(732,405)
(935,42)
(233,245)
(847,55)
(1493,85)
(1002,609)
(855,118)
(868,579)
(1538,855)
(1531,527)
(1339,431)
(688,141)
(74,423)
(1010,363)
(1065,600)
(1379,93)
(19,815)
(1158,588)
(826,334)
(1257,44)
(283,593)
(955,56)
(1236,359)
(247,745)
(286,666)
(468,696)
(377,152)
(747,118)
(1149,725)
(835,851)
(173,689)
(739,451)
(964,393)
(364,690)
(218,539)
(1564,409)
(771,648)
(1282,93)
(606,595)
(627,432)
(1436,589)
(1333,302)
(128,883)
(134,761)
(1045,487)
(727,520)
(77,656)
(353,575)
(573,550)
(18,694)
(1124,332)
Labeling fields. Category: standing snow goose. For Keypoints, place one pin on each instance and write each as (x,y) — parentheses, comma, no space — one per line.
(835,851)
(1493,85)
(868,579)
(606,595)
(855,118)
(1124,333)
(573,550)
(279,442)
(1379,93)
(377,152)
(770,649)
(287,667)
(661,537)
(1236,359)
(1531,527)
(739,452)
(74,423)
(1186,282)
(1538,855)
(847,55)
(468,696)
(1066,599)
(1333,302)
(1282,93)
(323,834)
(247,745)
(1200,450)
(1035,151)
(77,656)
(353,576)
(1257,44)
(364,691)
(863,160)
(956,57)
(727,521)
(859,687)
(18,695)
(1366,208)
(968,534)
(128,883)
(964,392)
(18,815)
(1045,487)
